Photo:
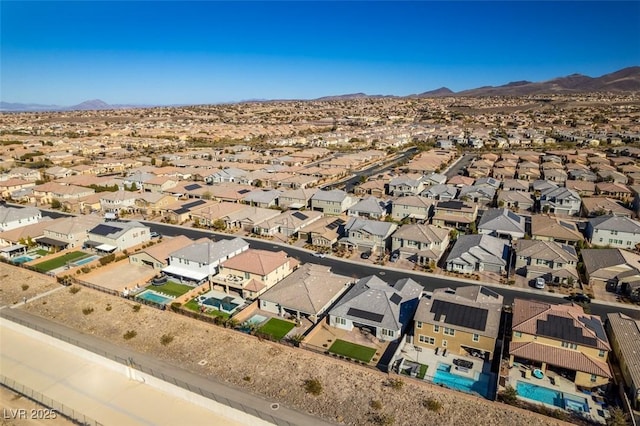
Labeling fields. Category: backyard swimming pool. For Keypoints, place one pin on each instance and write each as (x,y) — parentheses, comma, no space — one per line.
(85,260)
(552,397)
(23,259)
(256,319)
(152,296)
(478,385)
(225,304)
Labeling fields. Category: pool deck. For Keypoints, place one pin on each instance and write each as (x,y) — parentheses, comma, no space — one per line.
(518,373)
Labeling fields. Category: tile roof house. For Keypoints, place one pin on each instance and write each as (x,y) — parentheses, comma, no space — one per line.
(262,198)
(598,206)
(374,305)
(157,255)
(560,201)
(584,189)
(324,232)
(199,260)
(365,234)
(296,198)
(420,243)
(13,217)
(478,253)
(309,291)
(68,232)
(482,195)
(455,214)
(111,236)
(554,262)
(465,321)
(614,269)
(624,335)
(560,338)
(369,208)
(613,231)
(253,271)
(287,223)
(613,190)
(502,223)
(334,202)
(516,200)
(412,207)
(549,228)
(515,185)
(402,186)
(440,192)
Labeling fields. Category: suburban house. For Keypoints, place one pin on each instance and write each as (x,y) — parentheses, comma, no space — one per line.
(560,201)
(383,310)
(296,198)
(455,214)
(13,217)
(324,232)
(613,190)
(554,262)
(599,206)
(412,207)
(614,231)
(308,292)
(152,203)
(11,185)
(249,217)
(473,253)
(483,195)
(157,255)
(200,260)
(117,236)
(464,321)
(549,228)
(402,186)
(502,223)
(517,185)
(332,202)
(47,192)
(252,272)
(624,335)
(562,339)
(262,198)
(369,208)
(25,234)
(287,223)
(421,243)
(515,200)
(583,188)
(440,192)
(615,269)
(365,234)
(210,214)
(118,202)
(68,232)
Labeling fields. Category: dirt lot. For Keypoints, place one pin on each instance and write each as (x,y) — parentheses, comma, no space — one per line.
(18,283)
(269,369)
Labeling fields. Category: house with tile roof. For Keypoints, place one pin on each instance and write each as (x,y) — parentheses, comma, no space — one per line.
(624,335)
(334,202)
(157,255)
(515,200)
(549,228)
(562,339)
(287,223)
(108,237)
(421,243)
(554,262)
(253,272)
(412,208)
(365,234)
(465,321)
(324,232)
(382,309)
(599,206)
(614,269)
(455,214)
(308,292)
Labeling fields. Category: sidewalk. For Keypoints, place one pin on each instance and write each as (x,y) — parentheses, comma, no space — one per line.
(17,365)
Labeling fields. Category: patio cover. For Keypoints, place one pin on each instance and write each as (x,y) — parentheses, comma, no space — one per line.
(52,242)
(106,247)
(183,272)
(91,244)
(12,248)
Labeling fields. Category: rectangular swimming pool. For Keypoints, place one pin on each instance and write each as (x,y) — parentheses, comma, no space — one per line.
(552,397)
(152,296)
(479,385)
(22,259)
(256,319)
(85,260)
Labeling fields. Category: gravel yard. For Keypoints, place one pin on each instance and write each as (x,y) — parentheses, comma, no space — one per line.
(351,394)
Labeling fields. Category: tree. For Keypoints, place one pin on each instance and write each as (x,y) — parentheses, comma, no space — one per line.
(219,225)
(453,234)
(501,203)
(618,417)
(258,183)
(56,204)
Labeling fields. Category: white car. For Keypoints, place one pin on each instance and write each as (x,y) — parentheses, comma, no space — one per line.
(319,254)
(539,284)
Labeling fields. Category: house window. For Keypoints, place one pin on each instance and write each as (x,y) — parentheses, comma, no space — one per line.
(449,331)
(517,334)
(593,377)
(341,321)
(426,339)
(386,332)
(569,345)
(444,343)
(476,338)
(601,353)
(419,324)
(436,328)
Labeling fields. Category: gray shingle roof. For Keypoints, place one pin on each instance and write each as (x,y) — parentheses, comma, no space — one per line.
(501,220)
(369,205)
(372,227)
(333,195)
(11,214)
(207,252)
(615,223)
(471,249)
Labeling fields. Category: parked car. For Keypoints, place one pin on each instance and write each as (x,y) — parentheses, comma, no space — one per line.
(320,254)
(154,234)
(579,298)
(394,257)
(365,255)
(539,283)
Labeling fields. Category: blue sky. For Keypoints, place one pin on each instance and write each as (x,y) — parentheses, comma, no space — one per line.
(209,51)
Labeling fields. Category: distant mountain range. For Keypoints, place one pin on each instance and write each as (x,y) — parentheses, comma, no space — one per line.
(624,80)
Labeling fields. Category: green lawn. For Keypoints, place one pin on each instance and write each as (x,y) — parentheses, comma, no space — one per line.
(352,350)
(423,371)
(171,288)
(42,252)
(49,265)
(277,328)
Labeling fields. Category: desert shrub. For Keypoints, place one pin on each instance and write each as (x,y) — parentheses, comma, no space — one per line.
(376,404)
(432,404)
(130,334)
(247,378)
(136,308)
(25,287)
(87,310)
(313,386)
(85,269)
(166,339)
(175,306)
(107,259)
(108,308)
(383,419)
(509,395)
(74,289)
(396,384)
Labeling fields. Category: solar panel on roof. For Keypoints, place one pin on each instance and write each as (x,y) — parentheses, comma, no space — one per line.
(333,225)
(358,313)
(395,298)
(488,293)
(243,191)
(300,216)
(193,204)
(105,230)
(594,325)
(192,187)
(513,216)
(460,315)
(566,225)
(563,328)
